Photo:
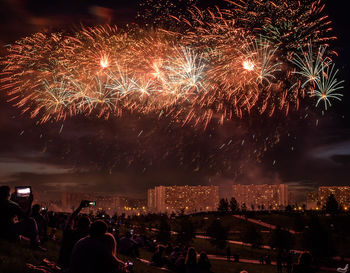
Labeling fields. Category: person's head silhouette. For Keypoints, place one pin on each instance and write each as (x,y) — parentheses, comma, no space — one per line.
(83,223)
(98,229)
(305,259)
(4,192)
(36,209)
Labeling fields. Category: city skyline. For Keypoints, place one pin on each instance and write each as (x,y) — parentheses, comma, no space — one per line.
(169,199)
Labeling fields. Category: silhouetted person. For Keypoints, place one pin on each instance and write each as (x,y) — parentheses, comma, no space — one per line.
(158,256)
(173,256)
(261,259)
(228,253)
(203,265)
(191,261)
(14,221)
(267,259)
(41,221)
(279,262)
(304,264)
(72,235)
(96,252)
(289,262)
(180,261)
(128,246)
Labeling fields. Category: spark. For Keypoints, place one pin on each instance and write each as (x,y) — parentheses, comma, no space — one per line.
(104,62)
(327,86)
(248,65)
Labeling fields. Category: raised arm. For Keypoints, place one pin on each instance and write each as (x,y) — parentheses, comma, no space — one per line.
(74,214)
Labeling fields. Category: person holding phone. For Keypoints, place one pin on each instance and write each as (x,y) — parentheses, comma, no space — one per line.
(15,221)
(39,214)
(75,229)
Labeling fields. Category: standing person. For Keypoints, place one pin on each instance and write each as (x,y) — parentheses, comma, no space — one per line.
(279,262)
(289,262)
(267,259)
(72,235)
(14,221)
(191,261)
(228,253)
(261,259)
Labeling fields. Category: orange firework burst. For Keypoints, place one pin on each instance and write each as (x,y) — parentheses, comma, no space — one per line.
(216,67)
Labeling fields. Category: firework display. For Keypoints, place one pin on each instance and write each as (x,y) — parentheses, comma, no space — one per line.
(250,56)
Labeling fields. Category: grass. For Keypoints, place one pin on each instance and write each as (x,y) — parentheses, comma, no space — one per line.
(243,251)
(340,233)
(14,256)
(232,267)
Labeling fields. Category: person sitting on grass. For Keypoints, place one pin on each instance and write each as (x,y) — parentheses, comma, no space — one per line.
(14,221)
(96,253)
(304,264)
(41,221)
(158,256)
(191,261)
(203,263)
(128,246)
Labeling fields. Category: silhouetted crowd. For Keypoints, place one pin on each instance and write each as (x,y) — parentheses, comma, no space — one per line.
(90,243)
(87,245)
(181,259)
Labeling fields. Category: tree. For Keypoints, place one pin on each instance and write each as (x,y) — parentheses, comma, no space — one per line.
(163,234)
(281,239)
(234,205)
(332,206)
(252,236)
(288,209)
(185,231)
(218,234)
(223,206)
(243,207)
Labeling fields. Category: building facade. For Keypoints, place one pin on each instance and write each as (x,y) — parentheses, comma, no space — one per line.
(109,203)
(189,199)
(312,200)
(341,194)
(264,196)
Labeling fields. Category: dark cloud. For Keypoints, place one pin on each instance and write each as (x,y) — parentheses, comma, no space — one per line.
(341,159)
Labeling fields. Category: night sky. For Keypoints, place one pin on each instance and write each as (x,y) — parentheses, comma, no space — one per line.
(131,154)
